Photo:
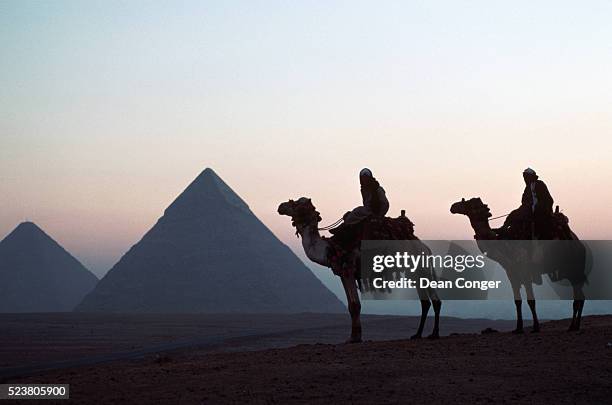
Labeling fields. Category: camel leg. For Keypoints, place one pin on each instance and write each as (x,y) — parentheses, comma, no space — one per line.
(519,317)
(536,323)
(579,315)
(577,308)
(532,306)
(425,304)
(518,303)
(354,306)
(437,305)
(574,324)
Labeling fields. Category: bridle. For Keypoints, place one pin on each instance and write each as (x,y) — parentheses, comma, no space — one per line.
(303,215)
(481,212)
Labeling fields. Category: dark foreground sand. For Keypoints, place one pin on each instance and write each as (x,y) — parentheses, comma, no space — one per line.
(34,340)
(553,366)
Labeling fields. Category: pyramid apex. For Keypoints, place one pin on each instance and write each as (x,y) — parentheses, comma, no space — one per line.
(209,172)
(27,230)
(28,225)
(207,192)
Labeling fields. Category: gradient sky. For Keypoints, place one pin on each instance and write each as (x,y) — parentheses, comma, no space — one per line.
(109,109)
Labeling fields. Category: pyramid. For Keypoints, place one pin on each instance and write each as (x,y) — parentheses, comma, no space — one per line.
(210,253)
(38,275)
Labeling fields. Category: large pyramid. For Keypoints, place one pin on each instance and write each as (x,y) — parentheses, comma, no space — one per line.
(210,253)
(38,275)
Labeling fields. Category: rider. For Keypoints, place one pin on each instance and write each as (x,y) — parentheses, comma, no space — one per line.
(536,208)
(375,203)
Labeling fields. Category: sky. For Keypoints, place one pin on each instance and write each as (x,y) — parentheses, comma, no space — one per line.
(108,110)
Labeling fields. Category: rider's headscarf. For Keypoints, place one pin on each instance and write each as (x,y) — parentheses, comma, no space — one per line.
(367,180)
(365,172)
(530,172)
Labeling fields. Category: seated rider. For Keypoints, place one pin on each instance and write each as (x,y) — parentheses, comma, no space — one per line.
(375,203)
(535,212)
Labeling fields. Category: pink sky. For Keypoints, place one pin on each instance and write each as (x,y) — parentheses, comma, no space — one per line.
(108,112)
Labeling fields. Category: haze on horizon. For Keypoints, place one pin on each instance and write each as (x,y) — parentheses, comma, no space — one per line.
(110,109)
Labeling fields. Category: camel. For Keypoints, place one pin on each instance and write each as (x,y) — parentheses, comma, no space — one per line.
(508,254)
(319,249)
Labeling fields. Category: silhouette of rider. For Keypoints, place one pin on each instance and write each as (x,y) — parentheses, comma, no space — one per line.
(375,203)
(536,208)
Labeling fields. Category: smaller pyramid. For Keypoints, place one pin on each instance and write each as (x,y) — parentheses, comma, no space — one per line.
(38,275)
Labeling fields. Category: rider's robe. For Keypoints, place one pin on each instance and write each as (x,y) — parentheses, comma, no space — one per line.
(375,203)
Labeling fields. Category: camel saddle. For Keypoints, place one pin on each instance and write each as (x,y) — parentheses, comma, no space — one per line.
(346,242)
(521,230)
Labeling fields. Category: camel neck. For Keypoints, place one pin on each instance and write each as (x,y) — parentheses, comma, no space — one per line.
(314,245)
(482,229)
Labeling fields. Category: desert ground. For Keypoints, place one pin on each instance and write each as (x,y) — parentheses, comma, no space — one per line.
(301,359)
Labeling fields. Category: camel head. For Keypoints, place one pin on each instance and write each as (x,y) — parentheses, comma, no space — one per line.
(474,208)
(301,211)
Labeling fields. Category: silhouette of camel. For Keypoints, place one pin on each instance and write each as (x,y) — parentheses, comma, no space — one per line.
(319,250)
(510,256)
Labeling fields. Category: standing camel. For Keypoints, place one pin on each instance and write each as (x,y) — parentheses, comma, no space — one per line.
(508,254)
(320,250)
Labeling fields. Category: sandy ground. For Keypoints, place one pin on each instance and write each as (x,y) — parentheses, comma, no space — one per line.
(553,366)
(31,339)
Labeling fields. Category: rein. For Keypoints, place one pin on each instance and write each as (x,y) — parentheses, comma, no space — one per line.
(501,216)
(331,226)
(318,217)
